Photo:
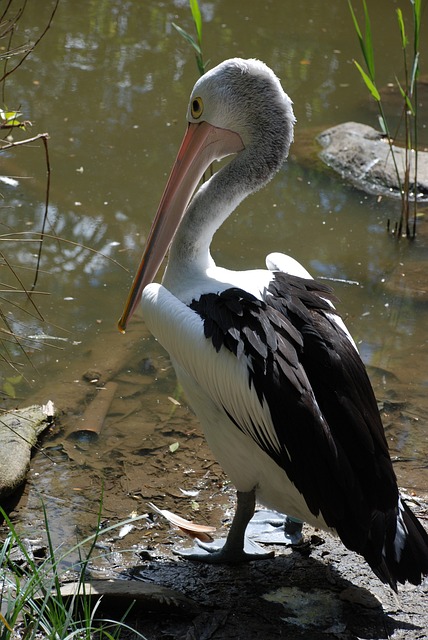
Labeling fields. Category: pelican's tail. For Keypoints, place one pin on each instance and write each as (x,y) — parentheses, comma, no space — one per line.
(404,550)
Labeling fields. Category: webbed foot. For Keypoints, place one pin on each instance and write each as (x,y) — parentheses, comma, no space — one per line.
(219,552)
(271,527)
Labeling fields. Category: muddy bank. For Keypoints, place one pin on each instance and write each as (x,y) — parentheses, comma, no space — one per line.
(327,593)
(320,592)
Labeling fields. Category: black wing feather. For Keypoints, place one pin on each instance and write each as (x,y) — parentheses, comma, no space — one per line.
(324,412)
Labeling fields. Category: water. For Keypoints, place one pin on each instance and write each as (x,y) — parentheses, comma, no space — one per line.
(110,84)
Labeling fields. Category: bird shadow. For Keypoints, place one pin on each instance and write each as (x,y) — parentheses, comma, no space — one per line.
(294,595)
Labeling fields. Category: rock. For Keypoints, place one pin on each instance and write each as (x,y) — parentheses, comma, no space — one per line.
(361,155)
(19,430)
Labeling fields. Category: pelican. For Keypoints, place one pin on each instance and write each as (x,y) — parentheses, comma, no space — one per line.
(264,359)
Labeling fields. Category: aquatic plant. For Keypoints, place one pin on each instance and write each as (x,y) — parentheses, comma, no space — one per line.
(195,44)
(408,184)
(32,601)
(12,57)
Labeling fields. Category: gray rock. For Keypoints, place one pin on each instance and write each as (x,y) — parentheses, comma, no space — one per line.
(361,155)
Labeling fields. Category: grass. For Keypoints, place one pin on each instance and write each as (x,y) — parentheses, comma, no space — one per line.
(196,44)
(31,602)
(409,115)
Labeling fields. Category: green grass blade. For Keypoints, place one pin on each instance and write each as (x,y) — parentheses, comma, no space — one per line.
(415,73)
(188,37)
(358,31)
(369,82)
(382,125)
(405,97)
(355,21)
(52,558)
(125,626)
(404,39)
(201,64)
(15,538)
(368,43)
(417,8)
(197,19)
(32,592)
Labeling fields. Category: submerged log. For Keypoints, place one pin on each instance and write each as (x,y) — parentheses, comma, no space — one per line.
(98,362)
(19,431)
(85,385)
(118,595)
(92,421)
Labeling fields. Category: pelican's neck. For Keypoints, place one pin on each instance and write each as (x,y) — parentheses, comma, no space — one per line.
(265,150)
(189,255)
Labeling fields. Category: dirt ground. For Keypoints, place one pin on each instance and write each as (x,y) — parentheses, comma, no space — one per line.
(320,592)
(324,593)
(151,449)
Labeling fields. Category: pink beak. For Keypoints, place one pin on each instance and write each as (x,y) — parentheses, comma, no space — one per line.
(201,145)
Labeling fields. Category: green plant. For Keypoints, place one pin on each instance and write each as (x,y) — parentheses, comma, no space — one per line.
(408,91)
(195,44)
(15,294)
(31,598)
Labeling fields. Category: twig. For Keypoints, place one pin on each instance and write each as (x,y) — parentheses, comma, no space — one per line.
(10,30)
(32,47)
(27,293)
(45,216)
(6,9)
(16,341)
(13,235)
(44,137)
(19,143)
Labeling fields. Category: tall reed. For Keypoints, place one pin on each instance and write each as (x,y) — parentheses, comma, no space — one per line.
(408,181)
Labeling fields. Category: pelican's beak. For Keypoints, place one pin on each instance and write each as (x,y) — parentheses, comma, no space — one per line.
(202,144)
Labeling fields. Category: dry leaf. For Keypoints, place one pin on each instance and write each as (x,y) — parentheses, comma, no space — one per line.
(174,401)
(200,531)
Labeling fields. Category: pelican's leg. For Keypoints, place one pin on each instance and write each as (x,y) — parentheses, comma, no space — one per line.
(237,547)
(293,530)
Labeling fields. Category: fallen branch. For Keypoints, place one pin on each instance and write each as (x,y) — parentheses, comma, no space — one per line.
(18,143)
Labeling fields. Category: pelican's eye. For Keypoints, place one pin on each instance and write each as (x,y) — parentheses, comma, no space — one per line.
(197,108)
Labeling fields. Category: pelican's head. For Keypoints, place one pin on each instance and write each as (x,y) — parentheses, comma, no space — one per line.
(246,97)
(239,107)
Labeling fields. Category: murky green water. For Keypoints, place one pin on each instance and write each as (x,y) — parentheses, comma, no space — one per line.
(110,83)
